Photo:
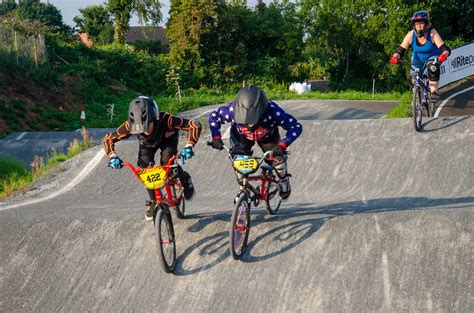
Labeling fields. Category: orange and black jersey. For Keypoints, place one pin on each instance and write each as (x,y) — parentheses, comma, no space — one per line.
(168,125)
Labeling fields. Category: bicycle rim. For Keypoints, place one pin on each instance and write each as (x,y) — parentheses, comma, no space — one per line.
(165,239)
(273,199)
(240,227)
(416,109)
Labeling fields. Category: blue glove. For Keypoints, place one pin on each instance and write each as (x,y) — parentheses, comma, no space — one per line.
(186,154)
(115,163)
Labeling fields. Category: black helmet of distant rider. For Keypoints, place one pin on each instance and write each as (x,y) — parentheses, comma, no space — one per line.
(143,116)
(250,104)
(420,16)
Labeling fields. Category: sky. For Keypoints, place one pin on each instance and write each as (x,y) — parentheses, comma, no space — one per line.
(70,8)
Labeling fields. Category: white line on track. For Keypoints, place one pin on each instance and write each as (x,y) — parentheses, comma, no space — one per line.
(85,171)
(450,97)
(20,136)
(201,114)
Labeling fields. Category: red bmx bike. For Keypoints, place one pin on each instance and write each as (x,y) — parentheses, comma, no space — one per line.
(266,189)
(168,194)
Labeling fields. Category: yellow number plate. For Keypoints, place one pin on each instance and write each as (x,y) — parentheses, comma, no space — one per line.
(245,164)
(153,178)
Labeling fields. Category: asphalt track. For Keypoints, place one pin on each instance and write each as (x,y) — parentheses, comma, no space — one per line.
(380,219)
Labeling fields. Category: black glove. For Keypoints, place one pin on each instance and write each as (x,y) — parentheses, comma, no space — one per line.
(217,143)
(278,151)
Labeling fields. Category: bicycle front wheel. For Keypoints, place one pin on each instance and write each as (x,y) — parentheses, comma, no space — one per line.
(180,201)
(273,199)
(165,239)
(240,226)
(417,109)
(431,108)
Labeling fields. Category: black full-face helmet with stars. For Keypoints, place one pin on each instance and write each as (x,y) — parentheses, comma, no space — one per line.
(250,104)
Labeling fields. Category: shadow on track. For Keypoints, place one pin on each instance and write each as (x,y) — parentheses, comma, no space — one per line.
(448,122)
(289,228)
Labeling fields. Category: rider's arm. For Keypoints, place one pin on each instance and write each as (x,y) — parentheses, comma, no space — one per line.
(287,122)
(223,115)
(191,126)
(439,42)
(406,43)
(108,142)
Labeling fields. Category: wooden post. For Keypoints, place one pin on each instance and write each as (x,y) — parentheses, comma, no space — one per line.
(16,46)
(35,48)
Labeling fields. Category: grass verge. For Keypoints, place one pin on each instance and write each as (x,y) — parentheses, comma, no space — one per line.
(15,176)
(403,109)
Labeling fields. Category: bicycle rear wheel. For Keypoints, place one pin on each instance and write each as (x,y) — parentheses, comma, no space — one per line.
(165,239)
(417,109)
(240,226)
(273,199)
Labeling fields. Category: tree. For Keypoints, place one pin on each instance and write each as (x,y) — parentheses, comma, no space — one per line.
(7,6)
(148,11)
(28,28)
(95,20)
(227,42)
(46,13)
(189,21)
(354,39)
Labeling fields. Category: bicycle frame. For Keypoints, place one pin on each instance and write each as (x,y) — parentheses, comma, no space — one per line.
(169,198)
(421,80)
(258,193)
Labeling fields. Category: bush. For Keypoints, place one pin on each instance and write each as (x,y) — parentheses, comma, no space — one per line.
(13,175)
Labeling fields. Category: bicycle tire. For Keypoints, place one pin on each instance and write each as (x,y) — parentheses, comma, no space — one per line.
(431,108)
(273,199)
(180,201)
(417,109)
(165,239)
(240,226)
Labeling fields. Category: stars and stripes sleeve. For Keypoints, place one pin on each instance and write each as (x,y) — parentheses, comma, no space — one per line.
(191,126)
(287,122)
(223,115)
(109,140)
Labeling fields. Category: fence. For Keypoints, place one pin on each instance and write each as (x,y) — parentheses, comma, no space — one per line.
(30,50)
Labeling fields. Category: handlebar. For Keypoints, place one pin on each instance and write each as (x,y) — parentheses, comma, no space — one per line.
(433,60)
(171,164)
(266,155)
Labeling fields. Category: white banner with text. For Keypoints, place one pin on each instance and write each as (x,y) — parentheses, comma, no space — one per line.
(459,64)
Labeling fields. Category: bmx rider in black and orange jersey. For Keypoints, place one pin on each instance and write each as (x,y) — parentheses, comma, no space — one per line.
(155,130)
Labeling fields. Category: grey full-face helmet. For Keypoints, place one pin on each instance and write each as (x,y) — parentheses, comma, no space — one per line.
(142,112)
(250,104)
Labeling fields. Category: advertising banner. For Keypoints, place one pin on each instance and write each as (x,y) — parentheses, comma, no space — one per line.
(458,65)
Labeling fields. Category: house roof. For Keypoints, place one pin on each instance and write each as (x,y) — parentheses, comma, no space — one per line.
(138,33)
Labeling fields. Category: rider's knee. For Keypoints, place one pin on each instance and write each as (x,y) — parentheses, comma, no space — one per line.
(434,72)
(281,168)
